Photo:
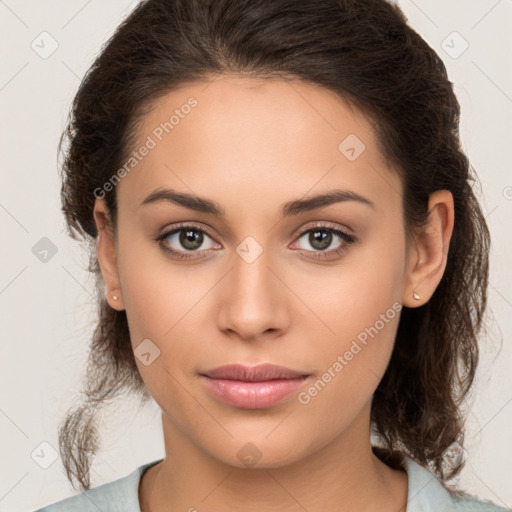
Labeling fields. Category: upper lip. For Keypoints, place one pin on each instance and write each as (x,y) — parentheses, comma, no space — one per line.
(258,373)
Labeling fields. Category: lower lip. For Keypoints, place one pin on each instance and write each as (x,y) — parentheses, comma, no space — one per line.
(252,395)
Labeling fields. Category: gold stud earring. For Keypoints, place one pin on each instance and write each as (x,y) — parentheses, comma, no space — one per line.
(416,296)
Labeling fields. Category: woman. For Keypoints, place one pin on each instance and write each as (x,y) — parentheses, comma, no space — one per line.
(290,258)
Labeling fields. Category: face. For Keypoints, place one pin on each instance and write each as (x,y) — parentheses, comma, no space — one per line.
(316,290)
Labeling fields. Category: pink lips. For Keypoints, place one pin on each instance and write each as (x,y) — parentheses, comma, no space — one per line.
(252,387)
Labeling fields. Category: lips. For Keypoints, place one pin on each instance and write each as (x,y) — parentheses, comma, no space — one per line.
(252,387)
(259,373)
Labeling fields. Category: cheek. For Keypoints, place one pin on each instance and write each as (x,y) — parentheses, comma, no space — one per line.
(350,369)
(156,292)
(165,303)
(365,285)
(361,311)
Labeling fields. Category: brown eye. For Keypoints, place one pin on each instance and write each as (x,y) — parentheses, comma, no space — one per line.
(191,239)
(320,238)
(184,241)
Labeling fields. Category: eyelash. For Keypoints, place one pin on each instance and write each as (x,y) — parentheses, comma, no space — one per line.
(320,255)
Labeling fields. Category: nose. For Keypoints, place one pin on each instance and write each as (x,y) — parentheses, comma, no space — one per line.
(253,302)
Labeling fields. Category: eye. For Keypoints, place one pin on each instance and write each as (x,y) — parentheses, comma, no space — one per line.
(321,237)
(184,240)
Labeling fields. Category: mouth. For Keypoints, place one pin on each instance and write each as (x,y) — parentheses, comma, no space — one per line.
(253,387)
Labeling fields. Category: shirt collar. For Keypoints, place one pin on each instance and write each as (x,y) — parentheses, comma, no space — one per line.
(425,492)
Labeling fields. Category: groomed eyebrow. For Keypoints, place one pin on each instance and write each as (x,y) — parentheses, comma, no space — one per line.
(203,205)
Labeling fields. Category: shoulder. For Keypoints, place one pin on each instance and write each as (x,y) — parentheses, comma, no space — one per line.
(121,495)
(427,494)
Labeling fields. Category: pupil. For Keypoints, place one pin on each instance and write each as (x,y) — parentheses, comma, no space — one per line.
(191,239)
(322,241)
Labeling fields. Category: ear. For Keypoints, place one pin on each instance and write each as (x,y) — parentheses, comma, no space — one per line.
(428,251)
(106,254)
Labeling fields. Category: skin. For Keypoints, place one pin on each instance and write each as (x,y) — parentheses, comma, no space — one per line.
(251,145)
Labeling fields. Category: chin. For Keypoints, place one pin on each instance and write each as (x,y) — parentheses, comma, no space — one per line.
(259,452)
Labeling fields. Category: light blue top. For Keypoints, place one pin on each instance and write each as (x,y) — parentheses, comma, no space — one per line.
(425,494)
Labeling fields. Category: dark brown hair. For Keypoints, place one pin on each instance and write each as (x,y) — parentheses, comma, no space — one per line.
(364,51)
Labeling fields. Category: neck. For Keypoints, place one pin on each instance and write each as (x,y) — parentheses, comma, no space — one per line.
(343,475)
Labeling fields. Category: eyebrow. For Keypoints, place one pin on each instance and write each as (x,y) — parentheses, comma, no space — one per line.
(290,208)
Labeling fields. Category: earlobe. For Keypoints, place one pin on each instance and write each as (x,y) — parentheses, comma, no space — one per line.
(106,254)
(428,252)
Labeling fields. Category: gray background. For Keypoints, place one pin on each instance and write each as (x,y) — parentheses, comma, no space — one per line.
(46,307)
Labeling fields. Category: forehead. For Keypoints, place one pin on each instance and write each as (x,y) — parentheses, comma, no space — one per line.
(246,139)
